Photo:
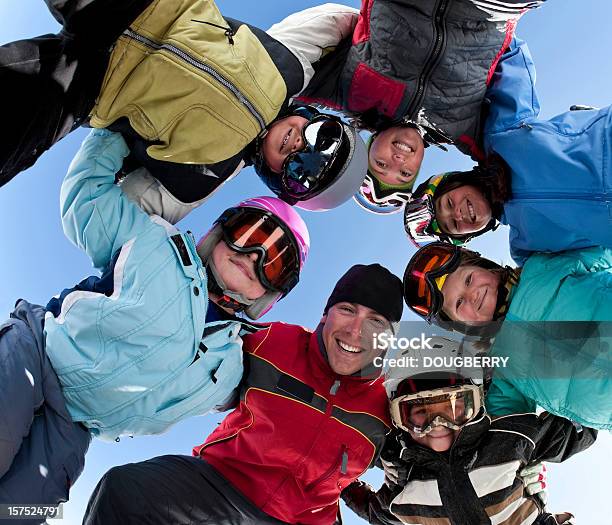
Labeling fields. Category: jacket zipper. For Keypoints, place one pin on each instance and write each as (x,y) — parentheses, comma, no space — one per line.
(342,460)
(434,56)
(559,195)
(332,392)
(229,32)
(341,464)
(179,53)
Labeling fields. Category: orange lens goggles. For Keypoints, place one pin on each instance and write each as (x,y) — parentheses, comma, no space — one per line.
(420,290)
(278,265)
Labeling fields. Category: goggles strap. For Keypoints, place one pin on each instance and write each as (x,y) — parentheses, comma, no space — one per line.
(440,281)
(227,302)
(505,289)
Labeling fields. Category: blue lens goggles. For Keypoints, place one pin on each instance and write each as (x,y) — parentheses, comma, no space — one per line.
(306,172)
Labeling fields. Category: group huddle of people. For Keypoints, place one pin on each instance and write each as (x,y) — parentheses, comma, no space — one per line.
(180,99)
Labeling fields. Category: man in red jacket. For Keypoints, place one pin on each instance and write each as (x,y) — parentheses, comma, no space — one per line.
(311,418)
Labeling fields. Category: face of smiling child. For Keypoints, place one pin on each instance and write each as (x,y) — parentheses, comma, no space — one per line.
(396,155)
(462,210)
(470,294)
(441,438)
(283,137)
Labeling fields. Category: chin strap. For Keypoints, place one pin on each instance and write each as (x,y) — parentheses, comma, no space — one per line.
(503,294)
(227,298)
(225,301)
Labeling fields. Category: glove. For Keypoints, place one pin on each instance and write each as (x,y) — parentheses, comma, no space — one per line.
(396,472)
(357,497)
(564,518)
(533,477)
(396,469)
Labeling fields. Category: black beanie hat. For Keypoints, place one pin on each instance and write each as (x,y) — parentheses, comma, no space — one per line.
(373,286)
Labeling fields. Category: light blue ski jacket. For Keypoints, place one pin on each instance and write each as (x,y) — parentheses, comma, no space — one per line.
(561,173)
(131,348)
(564,367)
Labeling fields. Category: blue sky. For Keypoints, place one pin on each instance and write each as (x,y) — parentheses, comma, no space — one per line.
(570,46)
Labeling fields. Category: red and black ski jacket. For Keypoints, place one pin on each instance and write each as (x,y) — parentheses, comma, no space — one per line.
(301,433)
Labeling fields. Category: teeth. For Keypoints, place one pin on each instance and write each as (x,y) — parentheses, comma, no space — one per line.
(471,211)
(402,146)
(348,348)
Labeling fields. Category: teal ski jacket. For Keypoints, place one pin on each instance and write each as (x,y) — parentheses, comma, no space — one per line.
(564,367)
(131,347)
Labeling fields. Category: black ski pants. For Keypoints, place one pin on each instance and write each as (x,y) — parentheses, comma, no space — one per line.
(170,490)
(50,83)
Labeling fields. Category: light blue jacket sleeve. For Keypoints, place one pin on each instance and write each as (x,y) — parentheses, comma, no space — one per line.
(512,90)
(96,215)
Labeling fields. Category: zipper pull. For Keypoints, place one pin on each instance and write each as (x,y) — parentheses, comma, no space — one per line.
(229,32)
(344,464)
(334,388)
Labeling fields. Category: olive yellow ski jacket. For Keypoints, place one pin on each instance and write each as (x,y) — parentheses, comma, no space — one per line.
(199,90)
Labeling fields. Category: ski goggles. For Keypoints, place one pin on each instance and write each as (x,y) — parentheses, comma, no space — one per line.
(371,199)
(306,172)
(425,275)
(452,407)
(419,215)
(251,230)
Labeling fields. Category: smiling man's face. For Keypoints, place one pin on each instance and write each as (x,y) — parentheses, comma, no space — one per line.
(348,335)
(284,137)
(237,270)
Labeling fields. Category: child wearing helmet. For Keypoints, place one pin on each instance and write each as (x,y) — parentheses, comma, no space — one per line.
(552,187)
(557,365)
(197,97)
(448,460)
(415,75)
(456,206)
(153,339)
